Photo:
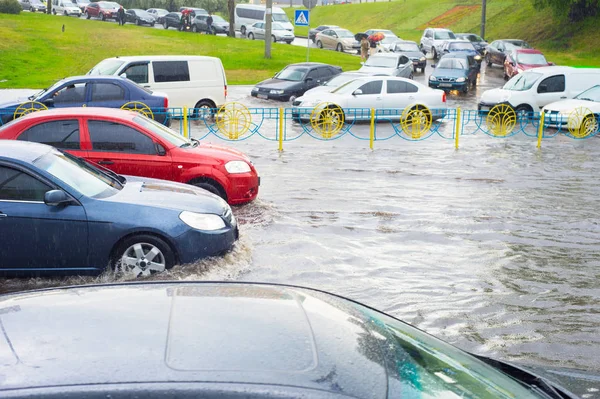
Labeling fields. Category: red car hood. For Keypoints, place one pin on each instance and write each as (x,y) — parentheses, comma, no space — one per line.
(216,151)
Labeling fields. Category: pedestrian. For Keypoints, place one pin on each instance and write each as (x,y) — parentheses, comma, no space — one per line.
(364,49)
(121,16)
(209,22)
(373,45)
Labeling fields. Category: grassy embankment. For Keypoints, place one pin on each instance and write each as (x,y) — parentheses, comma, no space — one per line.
(34,52)
(563,42)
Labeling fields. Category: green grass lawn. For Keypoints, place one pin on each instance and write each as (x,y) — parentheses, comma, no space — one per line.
(34,52)
(563,42)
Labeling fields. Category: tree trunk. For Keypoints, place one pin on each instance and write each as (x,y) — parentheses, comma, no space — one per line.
(231,8)
(49,7)
(269,23)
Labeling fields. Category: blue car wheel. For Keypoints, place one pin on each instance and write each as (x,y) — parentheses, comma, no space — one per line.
(142,255)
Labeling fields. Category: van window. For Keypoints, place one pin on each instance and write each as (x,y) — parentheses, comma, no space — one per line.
(553,84)
(171,71)
(138,73)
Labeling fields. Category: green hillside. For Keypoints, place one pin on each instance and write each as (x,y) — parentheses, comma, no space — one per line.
(562,41)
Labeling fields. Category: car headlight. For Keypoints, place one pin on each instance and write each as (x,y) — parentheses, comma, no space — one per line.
(310,103)
(432,78)
(237,167)
(460,80)
(255,89)
(202,221)
(276,91)
(422,59)
(477,58)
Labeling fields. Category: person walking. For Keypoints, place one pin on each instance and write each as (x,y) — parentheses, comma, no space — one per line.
(121,15)
(209,22)
(364,49)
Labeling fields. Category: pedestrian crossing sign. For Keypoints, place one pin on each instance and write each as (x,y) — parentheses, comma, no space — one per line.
(301,18)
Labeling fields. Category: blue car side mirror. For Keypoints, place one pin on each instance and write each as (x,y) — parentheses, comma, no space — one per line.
(56,198)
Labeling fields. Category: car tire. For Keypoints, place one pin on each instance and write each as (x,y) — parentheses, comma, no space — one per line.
(523,112)
(289,42)
(87,15)
(243,30)
(152,24)
(339,48)
(31,9)
(204,104)
(195,28)
(273,39)
(211,186)
(434,53)
(465,89)
(488,60)
(165,25)
(65,14)
(102,17)
(319,44)
(411,76)
(54,12)
(250,36)
(144,255)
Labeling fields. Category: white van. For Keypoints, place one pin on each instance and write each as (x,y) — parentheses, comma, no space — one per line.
(248,14)
(531,90)
(65,7)
(189,81)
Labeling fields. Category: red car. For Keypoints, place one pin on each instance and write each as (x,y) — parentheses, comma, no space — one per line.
(523,59)
(131,144)
(102,9)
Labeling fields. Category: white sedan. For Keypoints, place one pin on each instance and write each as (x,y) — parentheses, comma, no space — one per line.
(389,95)
(278,32)
(581,111)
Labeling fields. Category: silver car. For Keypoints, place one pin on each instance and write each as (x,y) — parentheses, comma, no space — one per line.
(433,39)
(278,32)
(389,64)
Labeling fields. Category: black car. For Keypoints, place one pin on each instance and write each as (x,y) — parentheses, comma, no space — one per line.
(172,19)
(496,52)
(241,340)
(294,80)
(219,25)
(412,51)
(32,5)
(476,40)
(313,32)
(139,17)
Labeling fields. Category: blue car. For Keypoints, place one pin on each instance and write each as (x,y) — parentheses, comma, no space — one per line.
(462,47)
(91,91)
(454,71)
(60,215)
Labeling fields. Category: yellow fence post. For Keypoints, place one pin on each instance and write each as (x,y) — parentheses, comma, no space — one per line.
(457,128)
(185,122)
(541,130)
(372,132)
(281,124)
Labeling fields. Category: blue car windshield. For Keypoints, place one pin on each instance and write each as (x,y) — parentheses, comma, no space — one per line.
(78,174)
(452,63)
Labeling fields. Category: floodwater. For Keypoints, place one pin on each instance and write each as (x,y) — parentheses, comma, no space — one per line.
(493,247)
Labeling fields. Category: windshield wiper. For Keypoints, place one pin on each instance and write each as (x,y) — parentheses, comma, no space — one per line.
(37,94)
(585,99)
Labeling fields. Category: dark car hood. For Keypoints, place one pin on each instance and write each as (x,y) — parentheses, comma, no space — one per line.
(160,193)
(13,104)
(411,54)
(278,84)
(187,332)
(450,73)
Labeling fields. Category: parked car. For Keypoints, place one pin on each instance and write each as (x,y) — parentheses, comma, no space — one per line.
(391,64)
(561,113)
(463,47)
(128,143)
(102,9)
(496,52)
(336,82)
(386,32)
(522,60)
(158,14)
(94,91)
(278,32)
(529,91)
(337,39)
(219,25)
(192,81)
(82,4)
(479,43)
(455,71)
(65,7)
(33,5)
(60,215)
(384,45)
(433,39)
(294,80)
(379,92)
(312,33)
(172,20)
(248,14)
(139,17)
(236,339)
(412,51)
(195,10)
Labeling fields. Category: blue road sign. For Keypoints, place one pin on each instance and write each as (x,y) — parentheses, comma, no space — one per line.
(301,18)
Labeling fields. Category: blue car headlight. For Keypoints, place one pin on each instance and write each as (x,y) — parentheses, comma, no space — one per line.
(432,78)
(202,221)
(234,167)
(460,80)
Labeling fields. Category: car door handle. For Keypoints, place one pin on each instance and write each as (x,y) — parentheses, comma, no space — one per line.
(105,163)
(563,97)
(147,86)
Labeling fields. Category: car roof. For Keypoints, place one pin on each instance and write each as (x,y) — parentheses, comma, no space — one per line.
(444,29)
(404,42)
(163,57)
(79,112)
(456,54)
(385,55)
(245,333)
(26,151)
(457,41)
(527,51)
(307,64)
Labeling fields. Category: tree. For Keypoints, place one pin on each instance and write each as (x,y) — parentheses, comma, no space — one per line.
(231,9)
(575,10)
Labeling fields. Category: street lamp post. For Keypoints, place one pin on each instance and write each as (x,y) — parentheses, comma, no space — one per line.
(483,4)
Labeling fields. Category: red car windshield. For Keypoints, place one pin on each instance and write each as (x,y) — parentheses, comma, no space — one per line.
(531,59)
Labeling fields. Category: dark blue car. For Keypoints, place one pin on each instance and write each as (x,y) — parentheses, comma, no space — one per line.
(463,47)
(60,215)
(454,71)
(91,91)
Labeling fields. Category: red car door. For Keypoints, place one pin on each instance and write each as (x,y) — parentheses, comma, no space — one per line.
(127,150)
(64,134)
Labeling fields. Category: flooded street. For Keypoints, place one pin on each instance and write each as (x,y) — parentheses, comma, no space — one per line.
(493,247)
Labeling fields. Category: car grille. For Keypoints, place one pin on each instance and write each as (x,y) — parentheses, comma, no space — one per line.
(263,90)
(446,79)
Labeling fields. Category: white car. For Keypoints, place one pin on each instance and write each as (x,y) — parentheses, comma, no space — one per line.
(336,82)
(383,46)
(571,113)
(388,64)
(278,32)
(379,92)
(65,7)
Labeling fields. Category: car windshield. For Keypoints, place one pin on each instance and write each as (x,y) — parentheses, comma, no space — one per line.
(451,63)
(592,94)
(389,39)
(35,2)
(344,34)
(109,4)
(522,81)
(461,46)
(162,131)
(444,35)
(293,74)
(349,86)
(472,38)
(83,1)
(277,26)
(280,18)
(515,45)
(78,174)
(408,47)
(142,13)
(161,12)
(217,18)
(339,80)
(381,62)
(106,67)
(531,59)
(50,89)
(69,4)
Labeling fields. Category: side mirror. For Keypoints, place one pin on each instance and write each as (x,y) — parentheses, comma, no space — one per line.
(49,102)
(446,50)
(56,198)
(357,92)
(433,65)
(160,150)
(123,75)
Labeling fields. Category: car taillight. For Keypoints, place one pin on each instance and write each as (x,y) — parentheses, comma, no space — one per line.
(225,90)
(166,103)
(444,97)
